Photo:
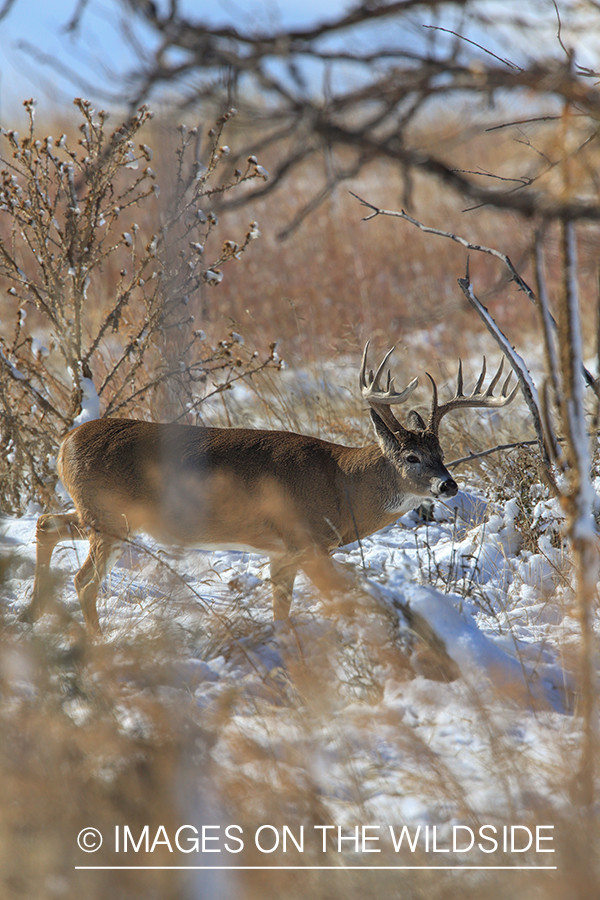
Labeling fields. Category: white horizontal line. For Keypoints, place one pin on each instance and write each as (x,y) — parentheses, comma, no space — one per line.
(332,868)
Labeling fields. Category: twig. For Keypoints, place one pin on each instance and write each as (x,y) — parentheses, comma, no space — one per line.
(523,122)
(497,449)
(427,229)
(467,40)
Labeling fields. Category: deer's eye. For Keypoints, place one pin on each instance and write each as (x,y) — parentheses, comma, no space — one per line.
(412,458)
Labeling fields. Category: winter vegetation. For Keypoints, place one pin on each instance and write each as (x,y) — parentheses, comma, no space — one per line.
(431,729)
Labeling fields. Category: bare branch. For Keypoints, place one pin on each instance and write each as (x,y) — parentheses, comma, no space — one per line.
(503,257)
(547,321)
(206,64)
(73,23)
(528,121)
(518,364)
(481,454)
(467,40)
(480,248)
(6,8)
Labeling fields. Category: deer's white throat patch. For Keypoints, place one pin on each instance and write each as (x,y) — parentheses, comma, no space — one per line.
(403,503)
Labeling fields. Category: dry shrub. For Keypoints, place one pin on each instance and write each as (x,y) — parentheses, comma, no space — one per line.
(99,273)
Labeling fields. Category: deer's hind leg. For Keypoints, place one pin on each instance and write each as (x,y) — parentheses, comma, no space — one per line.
(51,529)
(321,570)
(103,550)
(283,574)
(316,564)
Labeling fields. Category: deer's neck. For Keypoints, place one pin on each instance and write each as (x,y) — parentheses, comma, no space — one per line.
(372,491)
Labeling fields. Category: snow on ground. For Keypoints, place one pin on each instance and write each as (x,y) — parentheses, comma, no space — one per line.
(369,728)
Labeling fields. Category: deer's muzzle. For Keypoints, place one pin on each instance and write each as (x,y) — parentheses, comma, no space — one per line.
(444,487)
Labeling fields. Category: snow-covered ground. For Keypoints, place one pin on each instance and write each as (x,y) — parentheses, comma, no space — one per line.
(341,702)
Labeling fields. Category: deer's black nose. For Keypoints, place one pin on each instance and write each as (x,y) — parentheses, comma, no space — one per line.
(449,487)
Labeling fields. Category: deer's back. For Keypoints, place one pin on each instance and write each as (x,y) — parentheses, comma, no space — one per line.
(210,486)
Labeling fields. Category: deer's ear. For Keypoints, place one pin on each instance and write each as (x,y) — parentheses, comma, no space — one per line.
(415,422)
(387,441)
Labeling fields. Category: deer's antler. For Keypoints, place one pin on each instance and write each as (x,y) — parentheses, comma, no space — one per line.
(478,398)
(380,399)
(371,389)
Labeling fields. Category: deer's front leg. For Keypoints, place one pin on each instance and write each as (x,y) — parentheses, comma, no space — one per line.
(51,530)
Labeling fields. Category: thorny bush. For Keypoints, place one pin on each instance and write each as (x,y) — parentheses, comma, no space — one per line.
(73,348)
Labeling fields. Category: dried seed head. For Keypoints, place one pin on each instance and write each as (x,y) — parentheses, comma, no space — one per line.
(213,276)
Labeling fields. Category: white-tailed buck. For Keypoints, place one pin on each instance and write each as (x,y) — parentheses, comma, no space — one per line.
(290,496)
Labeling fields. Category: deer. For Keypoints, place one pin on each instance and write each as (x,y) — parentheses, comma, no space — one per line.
(292,497)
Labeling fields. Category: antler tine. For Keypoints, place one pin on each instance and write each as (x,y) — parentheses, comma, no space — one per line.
(371,388)
(434,395)
(504,395)
(363,369)
(481,378)
(495,379)
(375,380)
(476,399)
(459,380)
(506,384)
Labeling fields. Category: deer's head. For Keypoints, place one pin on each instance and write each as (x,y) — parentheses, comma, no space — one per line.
(414,449)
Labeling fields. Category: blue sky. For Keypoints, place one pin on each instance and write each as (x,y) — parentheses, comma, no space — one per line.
(41,23)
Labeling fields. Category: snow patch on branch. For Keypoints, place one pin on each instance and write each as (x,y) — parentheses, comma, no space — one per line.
(90,401)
